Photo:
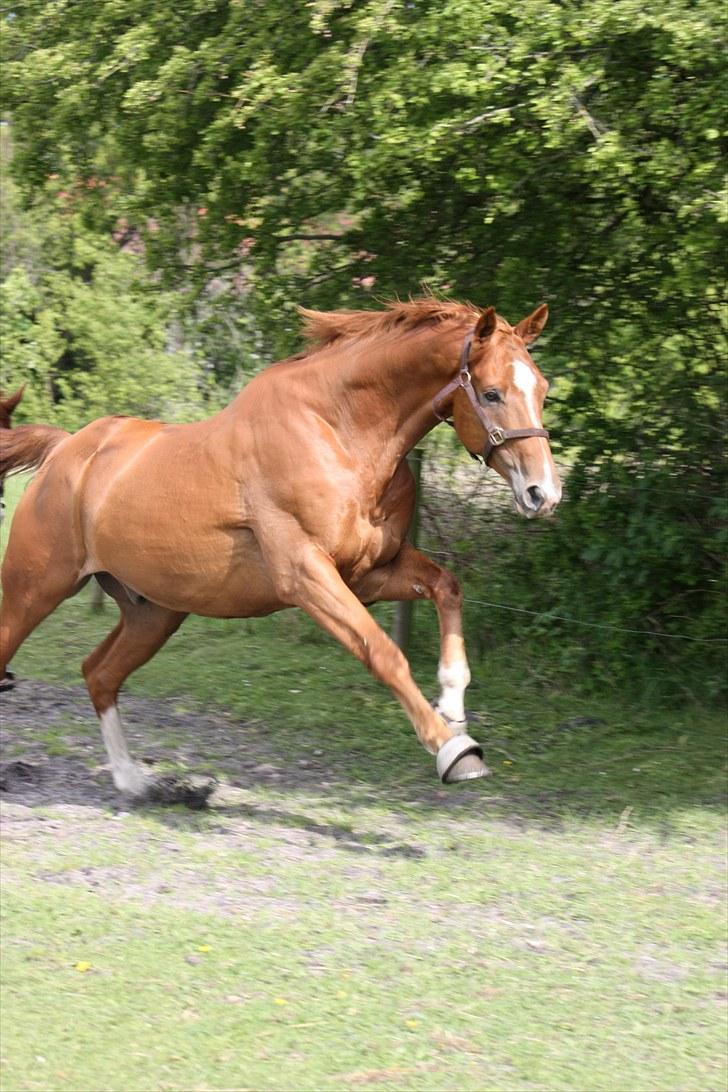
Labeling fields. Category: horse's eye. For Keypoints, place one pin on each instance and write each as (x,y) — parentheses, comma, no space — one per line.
(491,396)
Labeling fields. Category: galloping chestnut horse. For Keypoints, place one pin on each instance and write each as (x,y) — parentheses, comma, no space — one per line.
(297,494)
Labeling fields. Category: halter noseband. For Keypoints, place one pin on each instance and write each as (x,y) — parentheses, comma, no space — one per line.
(495,436)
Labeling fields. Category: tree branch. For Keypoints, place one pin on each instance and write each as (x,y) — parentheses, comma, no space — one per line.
(308,238)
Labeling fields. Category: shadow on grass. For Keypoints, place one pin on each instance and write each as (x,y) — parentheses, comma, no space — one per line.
(546,769)
(328,732)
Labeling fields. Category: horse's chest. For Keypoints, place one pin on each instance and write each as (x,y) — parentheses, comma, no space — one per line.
(369,545)
(358,522)
(381,541)
(373,535)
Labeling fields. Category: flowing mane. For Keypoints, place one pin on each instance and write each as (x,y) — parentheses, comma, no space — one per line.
(321,328)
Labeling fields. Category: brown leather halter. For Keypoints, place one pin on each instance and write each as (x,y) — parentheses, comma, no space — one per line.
(495,436)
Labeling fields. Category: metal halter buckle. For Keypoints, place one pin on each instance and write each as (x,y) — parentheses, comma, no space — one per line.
(496,437)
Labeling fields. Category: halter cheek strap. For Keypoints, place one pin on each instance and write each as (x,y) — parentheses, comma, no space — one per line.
(495,436)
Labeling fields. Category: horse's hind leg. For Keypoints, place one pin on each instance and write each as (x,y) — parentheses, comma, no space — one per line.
(141,632)
(30,594)
(19,616)
(42,566)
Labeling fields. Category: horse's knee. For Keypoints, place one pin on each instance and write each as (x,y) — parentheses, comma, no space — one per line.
(447,591)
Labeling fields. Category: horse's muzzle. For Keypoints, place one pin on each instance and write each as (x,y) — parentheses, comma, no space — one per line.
(537,500)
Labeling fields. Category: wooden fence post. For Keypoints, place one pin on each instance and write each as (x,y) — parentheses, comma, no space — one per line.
(403,614)
(97,596)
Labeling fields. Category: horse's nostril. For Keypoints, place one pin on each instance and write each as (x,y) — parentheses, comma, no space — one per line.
(536,496)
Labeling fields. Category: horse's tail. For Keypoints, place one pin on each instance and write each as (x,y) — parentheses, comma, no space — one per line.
(27,446)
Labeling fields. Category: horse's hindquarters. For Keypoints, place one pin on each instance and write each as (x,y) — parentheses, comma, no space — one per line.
(159,509)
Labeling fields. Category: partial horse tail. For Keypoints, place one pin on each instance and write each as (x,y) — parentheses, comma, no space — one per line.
(27,446)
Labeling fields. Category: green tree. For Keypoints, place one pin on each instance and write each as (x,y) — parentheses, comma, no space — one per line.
(556,148)
(82,324)
(568,152)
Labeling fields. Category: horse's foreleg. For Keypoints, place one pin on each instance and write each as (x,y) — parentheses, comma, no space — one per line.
(410,576)
(317,588)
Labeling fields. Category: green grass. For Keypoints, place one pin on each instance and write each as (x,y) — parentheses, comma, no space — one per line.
(561,926)
(509,962)
(286,673)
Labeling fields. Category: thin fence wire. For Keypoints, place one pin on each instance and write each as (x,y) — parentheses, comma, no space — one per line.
(461,504)
(547,616)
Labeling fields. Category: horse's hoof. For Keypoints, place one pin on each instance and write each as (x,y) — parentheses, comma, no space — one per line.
(460,759)
(466,769)
(7,682)
(169,789)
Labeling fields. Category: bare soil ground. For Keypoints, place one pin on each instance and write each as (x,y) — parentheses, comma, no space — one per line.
(160,732)
(52,757)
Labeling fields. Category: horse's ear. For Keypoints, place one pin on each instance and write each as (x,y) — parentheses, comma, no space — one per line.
(486,323)
(12,400)
(528,329)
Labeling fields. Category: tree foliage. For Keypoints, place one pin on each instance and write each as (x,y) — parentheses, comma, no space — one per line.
(312,152)
(559,148)
(82,325)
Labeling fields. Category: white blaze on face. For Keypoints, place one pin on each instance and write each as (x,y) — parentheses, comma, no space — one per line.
(526,381)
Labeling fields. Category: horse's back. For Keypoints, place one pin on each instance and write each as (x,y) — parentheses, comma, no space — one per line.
(112,436)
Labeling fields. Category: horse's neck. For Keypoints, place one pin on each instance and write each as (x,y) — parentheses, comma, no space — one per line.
(387,390)
(375,396)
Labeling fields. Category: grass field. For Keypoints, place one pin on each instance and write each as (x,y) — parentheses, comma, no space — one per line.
(337,919)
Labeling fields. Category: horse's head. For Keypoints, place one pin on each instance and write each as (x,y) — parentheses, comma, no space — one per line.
(7,405)
(499,417)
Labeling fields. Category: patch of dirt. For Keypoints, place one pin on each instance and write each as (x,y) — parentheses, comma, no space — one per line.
(158,732)
(163,732)
(15,775)
(57,799)
(652,965)
(65,769)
